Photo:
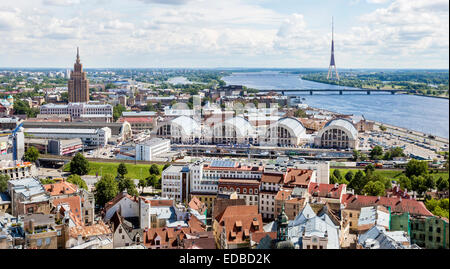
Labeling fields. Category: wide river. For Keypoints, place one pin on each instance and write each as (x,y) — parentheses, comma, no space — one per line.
(423,114)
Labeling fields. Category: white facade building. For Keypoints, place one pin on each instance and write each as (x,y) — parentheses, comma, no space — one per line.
(147,150)
(80,110)
(171,182)
(93,137)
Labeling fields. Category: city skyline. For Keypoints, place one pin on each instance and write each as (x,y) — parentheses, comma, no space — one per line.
(249,34)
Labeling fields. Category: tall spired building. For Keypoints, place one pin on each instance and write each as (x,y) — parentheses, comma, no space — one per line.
(78,84)
(332,62)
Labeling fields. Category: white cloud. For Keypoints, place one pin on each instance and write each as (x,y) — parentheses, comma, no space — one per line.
(61,2)
(219,33)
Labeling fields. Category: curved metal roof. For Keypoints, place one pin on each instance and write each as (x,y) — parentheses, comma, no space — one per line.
(346,124)
(187,125)
(292,124)
(241,125)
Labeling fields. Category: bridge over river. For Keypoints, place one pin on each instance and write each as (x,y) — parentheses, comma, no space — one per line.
(340,91)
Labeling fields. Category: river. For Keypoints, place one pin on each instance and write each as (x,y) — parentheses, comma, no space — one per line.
(423,114)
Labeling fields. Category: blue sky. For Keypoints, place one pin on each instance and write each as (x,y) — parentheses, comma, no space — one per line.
(231,33)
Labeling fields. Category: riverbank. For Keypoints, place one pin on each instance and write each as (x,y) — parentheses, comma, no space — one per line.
(440,97)
(437,139)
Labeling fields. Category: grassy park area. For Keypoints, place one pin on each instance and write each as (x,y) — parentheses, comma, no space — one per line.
(135,171)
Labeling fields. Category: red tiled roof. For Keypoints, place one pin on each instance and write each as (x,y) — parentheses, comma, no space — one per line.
(239,216)
(160,202)
(325,190)
(256,237)
(300,177)
(197,205)
(272,178)
(59,188)
(397,205)
(74,203)
(92,230)
(285,195)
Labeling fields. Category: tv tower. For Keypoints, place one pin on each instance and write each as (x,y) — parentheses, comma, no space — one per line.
(332,62)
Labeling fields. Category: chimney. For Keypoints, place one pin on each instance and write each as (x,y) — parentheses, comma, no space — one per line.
(378,198)
(400,199)
(52,187)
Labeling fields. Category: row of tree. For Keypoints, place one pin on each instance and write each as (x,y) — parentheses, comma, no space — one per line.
(416,178)
(377,153)
(109,186)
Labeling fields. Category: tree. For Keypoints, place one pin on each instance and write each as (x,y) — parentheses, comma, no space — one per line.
(149,107)
(126,183)
(152,181)
(416,168)
(429,182)
(358,182)
(79,165)
(166,166)
(142,184)
(77,180)
(374,188)
(106,189)
(405,182)
(48,180)
(31,155)
(333,179)
(21,107)
(337,174)
(363,157)
(122,170)
(383,128)
(397,152)
(369,169)
(154,170)
(376,152)
(356,155)
(438,207)
(349,176)
(117,111)
(4,182)
(300,113)
(442,184)
(418,184)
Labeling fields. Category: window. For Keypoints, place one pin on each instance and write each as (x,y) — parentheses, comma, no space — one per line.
(438,239)
(47,241)
(438,229)
(431,229)
(351,215)
(430,238)
(39,242)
